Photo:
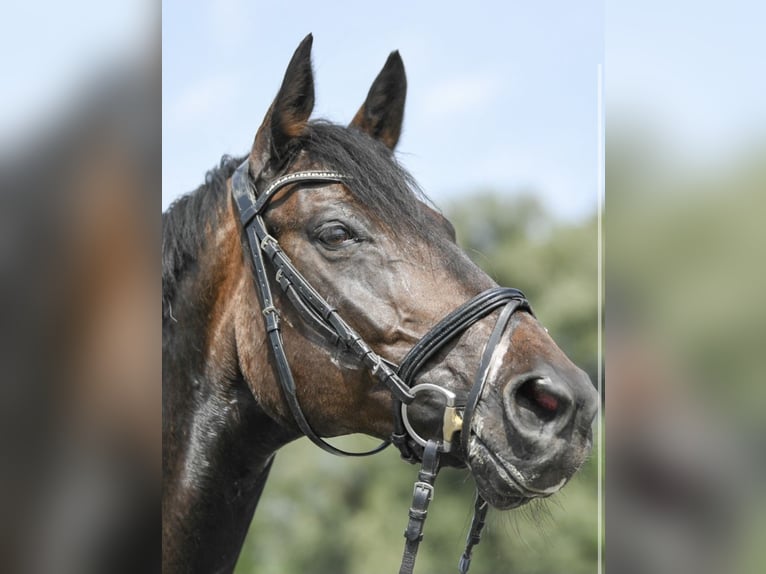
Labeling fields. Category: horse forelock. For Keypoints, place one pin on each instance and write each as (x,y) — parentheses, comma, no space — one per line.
(376,179)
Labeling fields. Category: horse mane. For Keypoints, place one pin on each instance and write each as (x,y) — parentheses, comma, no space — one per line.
(184,226)
(377,181)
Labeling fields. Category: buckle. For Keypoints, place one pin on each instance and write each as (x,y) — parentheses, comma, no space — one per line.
(424,486)
(267,241)
(270,309)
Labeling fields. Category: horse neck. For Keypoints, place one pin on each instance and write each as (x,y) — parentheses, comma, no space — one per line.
(218,442)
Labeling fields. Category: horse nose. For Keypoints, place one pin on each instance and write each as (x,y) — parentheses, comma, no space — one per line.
(547,405)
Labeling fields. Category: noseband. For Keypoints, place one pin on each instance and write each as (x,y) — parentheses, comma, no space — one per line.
(316,311)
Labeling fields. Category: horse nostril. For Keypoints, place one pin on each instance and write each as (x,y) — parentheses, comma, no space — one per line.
(538,396)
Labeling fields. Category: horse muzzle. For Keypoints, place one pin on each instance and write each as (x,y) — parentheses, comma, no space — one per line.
(530,436)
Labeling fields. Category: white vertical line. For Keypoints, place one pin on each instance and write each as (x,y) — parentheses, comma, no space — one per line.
(600,290)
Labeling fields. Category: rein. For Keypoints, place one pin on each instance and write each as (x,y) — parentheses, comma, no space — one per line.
(315,310)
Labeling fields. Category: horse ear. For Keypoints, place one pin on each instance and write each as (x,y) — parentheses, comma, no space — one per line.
(382,112)
(289,112)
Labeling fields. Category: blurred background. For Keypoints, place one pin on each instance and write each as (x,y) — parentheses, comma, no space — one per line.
(685,319)
(502,131)
(80,417)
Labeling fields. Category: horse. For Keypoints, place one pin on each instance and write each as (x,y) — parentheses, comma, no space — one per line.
(309,288)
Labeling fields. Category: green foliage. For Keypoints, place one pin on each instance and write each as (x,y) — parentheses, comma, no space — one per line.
(518,244)
(685,288)
(326,515)
(322,514)
(687,259)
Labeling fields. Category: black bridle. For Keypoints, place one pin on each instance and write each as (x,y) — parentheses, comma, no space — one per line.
(315,310)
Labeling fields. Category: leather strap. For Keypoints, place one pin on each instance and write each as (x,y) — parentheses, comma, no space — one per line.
(322,311)
(422,495)
(446,330)
(480,508)
(249,207)
(454,325)
(261,242)
(481,374)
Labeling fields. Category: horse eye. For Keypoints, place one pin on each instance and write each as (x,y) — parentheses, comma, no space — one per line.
(335,236)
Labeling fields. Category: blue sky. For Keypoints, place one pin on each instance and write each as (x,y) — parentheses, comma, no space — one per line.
(692,71)
(501,96)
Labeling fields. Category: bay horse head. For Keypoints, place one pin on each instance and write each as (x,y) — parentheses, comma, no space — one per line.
(322,295)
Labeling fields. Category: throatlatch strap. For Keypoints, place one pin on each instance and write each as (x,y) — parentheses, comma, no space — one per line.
(422,495)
